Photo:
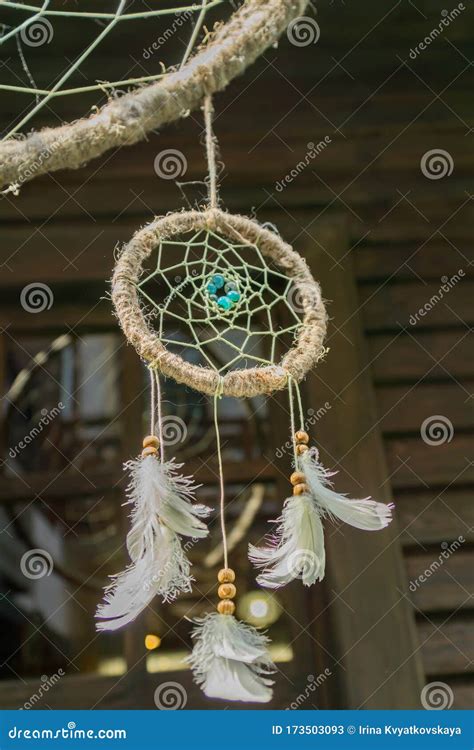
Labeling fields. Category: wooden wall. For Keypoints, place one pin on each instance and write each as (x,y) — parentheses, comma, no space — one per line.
(383,111)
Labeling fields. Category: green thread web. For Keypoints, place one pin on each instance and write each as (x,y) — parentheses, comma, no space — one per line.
(258,328)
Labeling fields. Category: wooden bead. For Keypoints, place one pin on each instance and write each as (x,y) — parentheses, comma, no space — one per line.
(302,437)
(300,489)
(226,575)
(151,440)
(297,477)
(226,591)
(301,448)
(149,451)
(226,607)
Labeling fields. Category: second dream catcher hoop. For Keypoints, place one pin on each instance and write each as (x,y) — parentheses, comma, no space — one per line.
(223,277)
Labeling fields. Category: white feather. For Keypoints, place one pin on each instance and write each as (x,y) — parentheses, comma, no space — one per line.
(161,509)
(296,550)
(163,569)
(158,493)
(230,660)
(365,514)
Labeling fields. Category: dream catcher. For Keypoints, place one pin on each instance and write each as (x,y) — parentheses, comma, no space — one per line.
(232,284)
(222,277)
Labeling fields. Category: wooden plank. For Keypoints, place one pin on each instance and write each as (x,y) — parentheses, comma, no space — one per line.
(413,463)
(447,648)
(396,306)
(463,690)
(404,408)
(373,627)
(434,517)
(437,583)
(53,486)
(95,691)
(407,261)
(61,317)
(433,355)
(66,251)
(400,223)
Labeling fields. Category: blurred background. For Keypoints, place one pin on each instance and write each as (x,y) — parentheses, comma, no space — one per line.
(354,138)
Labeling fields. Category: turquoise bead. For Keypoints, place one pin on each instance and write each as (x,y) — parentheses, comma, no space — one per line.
(234,296)
(218,281)
(211,288)
(225,303)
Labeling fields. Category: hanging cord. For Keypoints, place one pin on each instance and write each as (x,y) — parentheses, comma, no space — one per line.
(152,401)
(217,396)
(300,405)
(159,415)
(210,152)
(292,419)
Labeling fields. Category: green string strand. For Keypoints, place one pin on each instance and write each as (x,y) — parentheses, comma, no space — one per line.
(217,396)
(291,382)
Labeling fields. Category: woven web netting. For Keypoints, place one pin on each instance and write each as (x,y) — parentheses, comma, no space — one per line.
(218,303)
(47,49)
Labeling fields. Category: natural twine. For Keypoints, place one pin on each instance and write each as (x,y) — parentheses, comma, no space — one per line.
(308,347)
(255,27)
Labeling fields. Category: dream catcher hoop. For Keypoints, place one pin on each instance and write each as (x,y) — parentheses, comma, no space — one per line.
(223,270)
(223,294)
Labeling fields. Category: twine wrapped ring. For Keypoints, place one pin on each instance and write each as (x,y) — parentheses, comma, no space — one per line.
(247,382)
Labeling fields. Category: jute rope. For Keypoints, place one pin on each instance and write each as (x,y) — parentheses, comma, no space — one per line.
(256,26)
(308,347)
